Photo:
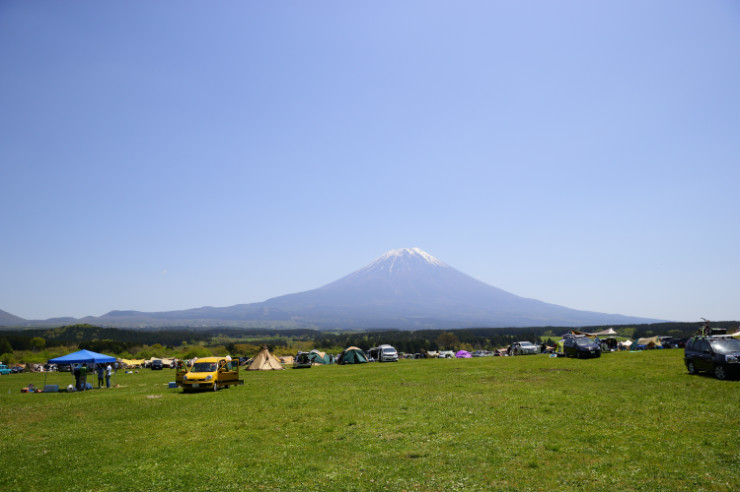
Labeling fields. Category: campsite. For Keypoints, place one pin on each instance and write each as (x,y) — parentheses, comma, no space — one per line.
(625,421)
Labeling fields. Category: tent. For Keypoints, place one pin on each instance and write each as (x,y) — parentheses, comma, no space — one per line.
(133,363)
(352,355)
(606,333)
(649,343)
(83,356)
(463,354)
(319,357)
(265,361)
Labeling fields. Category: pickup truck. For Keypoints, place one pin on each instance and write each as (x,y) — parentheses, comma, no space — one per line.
(211,373)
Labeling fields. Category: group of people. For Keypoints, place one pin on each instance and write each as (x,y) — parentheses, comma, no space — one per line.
(80,373)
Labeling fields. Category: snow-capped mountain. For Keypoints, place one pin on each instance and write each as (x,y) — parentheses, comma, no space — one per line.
(403,289)
(409,288)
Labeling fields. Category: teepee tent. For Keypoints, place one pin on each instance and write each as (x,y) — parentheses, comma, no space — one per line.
(264,361)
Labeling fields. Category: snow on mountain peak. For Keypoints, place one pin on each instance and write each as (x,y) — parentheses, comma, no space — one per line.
(412,252)
(401,257)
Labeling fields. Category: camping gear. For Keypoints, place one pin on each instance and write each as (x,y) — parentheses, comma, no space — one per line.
(319,357)
(302,360)
(352,355)
(265,361)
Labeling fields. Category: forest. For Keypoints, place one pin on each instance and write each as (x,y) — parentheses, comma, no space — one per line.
(35,345)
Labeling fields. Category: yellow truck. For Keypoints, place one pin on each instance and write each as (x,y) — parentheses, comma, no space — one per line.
(210,373)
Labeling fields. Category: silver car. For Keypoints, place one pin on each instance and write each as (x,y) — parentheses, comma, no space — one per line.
(523,348)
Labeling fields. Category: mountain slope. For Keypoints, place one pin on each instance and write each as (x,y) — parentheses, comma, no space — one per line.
(7,319)
(409,288)
(403,289)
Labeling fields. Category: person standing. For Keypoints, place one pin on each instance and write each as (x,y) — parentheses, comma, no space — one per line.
(83,376)
(100,371)
(108,372)
(76,372)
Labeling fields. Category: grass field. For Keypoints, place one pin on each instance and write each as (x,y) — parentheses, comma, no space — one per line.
(624,422)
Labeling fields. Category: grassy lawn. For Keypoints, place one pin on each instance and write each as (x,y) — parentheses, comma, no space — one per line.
(624,422)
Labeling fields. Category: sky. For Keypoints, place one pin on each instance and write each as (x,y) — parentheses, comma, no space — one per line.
(168,155)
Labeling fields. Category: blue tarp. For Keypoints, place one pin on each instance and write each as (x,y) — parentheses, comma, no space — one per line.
(83,356)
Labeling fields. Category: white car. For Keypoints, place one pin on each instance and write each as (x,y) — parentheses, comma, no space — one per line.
(523,348)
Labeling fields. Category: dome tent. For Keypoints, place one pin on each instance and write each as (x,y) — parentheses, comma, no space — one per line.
(352,355)
(319,357)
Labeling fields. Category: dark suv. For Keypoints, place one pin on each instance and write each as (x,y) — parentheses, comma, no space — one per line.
(716,354)
(157,365)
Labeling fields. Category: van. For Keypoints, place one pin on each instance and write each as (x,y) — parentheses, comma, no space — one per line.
(384,353)
(211,373)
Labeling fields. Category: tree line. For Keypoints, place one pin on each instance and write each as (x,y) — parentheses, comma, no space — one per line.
(117,341)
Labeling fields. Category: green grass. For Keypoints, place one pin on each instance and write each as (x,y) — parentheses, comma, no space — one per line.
(624,422)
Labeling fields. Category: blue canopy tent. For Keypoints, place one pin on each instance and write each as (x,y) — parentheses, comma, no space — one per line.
(81,356)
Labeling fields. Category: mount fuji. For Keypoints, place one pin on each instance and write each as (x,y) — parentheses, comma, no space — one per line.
(403,289)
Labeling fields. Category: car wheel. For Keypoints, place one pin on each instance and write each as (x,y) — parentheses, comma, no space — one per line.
(215,386)
(690,367)
(720,372)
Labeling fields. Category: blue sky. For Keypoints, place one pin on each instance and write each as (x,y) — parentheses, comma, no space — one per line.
(168,155)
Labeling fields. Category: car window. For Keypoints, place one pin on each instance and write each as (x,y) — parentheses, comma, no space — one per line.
(726,345)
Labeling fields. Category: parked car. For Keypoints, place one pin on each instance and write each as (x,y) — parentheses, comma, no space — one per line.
(716,354)
(211,373)
(301,361)
(17,369)
(581,347)
(156,365)
(4,369)
(523,348)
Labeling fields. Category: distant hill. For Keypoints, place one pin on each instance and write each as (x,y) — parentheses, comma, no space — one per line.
(403,289)
(7,319)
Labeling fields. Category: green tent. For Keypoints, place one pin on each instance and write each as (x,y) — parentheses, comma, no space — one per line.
(317,357)
(352,355)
